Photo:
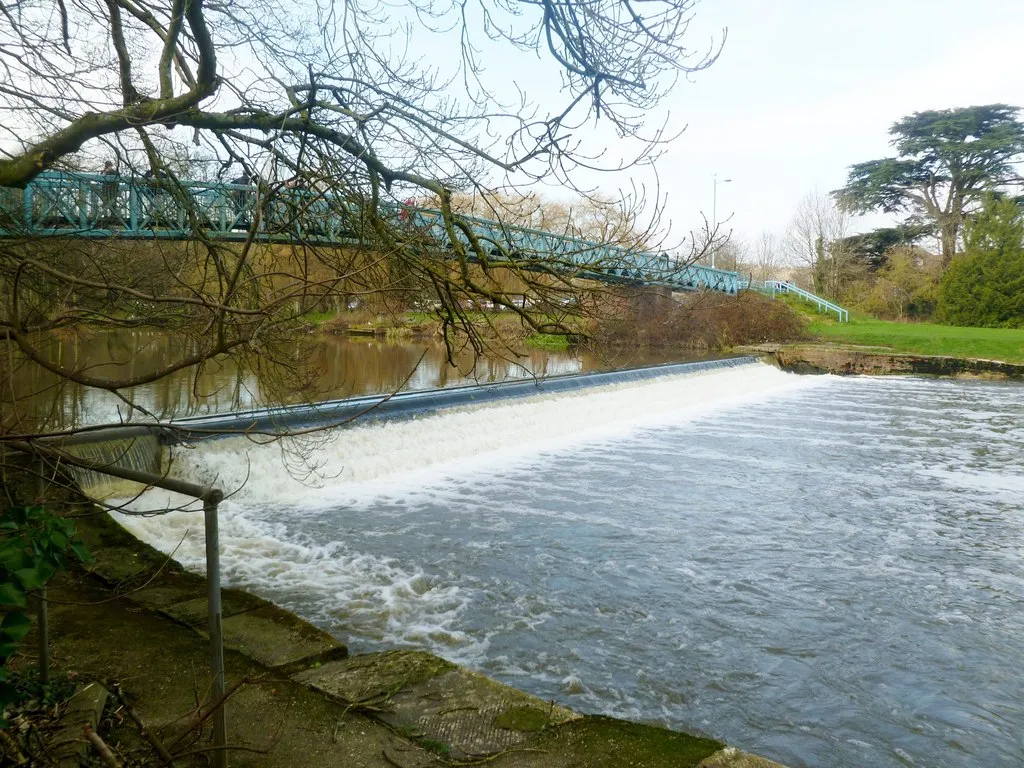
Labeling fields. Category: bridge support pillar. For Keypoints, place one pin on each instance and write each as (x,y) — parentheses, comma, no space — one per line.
(650,302)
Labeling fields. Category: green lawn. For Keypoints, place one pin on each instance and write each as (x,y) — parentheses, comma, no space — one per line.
(926,338)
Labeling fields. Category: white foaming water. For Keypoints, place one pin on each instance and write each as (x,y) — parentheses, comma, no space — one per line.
(462,439)
(389,602)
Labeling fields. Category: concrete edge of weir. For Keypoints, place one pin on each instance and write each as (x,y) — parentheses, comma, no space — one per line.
(413,692)
(365,409)
(408,404)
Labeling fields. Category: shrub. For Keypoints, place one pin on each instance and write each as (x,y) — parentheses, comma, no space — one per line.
(985,286)
(709,321)
(906,287)
(34,545)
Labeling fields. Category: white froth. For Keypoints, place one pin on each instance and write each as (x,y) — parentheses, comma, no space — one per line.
(388,455)
(405,605)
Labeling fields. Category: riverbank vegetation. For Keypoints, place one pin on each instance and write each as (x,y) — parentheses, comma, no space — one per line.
(953,259)
(707,322)
(701,322)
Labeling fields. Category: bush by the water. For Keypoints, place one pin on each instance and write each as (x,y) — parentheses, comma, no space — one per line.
(984,286)
(710,321)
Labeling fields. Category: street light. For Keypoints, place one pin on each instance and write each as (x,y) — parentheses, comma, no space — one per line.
(714,211)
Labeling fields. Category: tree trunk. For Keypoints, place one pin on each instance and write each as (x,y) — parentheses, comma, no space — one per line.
(949,228)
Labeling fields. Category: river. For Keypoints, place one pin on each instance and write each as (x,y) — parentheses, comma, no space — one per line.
(309,368)
(827,571)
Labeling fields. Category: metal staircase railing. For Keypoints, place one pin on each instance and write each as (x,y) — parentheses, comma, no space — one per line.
(771,287)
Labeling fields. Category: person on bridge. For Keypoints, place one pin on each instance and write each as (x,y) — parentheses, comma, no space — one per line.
(242,200)
(108,208)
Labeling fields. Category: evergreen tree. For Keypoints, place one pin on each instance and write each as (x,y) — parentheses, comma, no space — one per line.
(985,286)
(947,161)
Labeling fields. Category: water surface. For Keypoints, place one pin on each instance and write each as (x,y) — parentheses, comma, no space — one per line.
(307,369)
(825,571)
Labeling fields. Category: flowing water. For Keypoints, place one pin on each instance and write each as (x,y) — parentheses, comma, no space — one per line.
(824,570)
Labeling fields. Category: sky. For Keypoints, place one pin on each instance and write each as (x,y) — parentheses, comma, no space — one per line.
(802,90)
(805,88)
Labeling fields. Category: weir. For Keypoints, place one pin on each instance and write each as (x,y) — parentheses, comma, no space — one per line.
(138,449)
(309,538)
(144,446)
(409,404)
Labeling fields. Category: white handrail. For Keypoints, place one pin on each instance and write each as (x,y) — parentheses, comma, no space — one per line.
(782,286)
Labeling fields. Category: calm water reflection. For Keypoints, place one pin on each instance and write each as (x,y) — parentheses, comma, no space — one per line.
(330,366)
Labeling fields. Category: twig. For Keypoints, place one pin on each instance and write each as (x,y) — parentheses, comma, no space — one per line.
(232,747)
(11,750)
(120,595)
(104,751)
(209,713)
(491,758)
(157,745)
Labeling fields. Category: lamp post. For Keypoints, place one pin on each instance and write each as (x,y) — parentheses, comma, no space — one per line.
(714,211)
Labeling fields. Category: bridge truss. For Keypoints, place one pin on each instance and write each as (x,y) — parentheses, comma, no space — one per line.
(62,204)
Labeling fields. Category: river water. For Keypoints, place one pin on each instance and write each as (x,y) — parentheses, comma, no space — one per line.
(327,367)
(827,571)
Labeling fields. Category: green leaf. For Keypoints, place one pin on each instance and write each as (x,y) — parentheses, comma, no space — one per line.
(81,552)
(13,556)
(16,625)
(58,540)
(8,695)
(7,649)
(12,594)
(34,578)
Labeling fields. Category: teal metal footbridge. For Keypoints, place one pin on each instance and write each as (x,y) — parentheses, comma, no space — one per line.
(83,205)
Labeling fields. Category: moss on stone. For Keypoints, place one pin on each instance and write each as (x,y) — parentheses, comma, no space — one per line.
(372,675)
(608,742)
(521,719)
(435,746)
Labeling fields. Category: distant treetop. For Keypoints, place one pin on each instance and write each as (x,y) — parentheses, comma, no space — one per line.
(947,160)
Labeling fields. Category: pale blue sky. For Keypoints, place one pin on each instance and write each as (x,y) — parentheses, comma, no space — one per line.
(804,89)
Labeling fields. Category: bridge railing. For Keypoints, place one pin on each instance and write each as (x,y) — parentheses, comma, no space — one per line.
(95,205)
(98,205)
(609,259)
(772,287)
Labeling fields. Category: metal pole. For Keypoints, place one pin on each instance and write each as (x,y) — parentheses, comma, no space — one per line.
(714,212)
(211,498)
(220,723)
(43,622)
(714,215)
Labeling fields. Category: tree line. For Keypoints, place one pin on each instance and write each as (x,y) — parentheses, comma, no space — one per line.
(956,249)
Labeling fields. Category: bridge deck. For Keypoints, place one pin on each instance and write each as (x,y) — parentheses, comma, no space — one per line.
(99,206)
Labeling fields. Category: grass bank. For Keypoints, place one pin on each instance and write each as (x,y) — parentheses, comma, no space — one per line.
(1005,344)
